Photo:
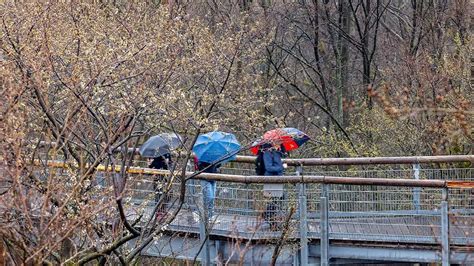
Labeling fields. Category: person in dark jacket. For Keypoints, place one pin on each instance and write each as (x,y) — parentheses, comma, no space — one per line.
(208,188)
(163,163)
(272,161)
(259,166)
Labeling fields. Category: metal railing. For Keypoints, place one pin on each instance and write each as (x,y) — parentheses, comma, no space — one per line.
(404,205)
(374,209)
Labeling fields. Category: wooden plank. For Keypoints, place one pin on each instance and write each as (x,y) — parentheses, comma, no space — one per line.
(403,227)
(361,228)
(334,226)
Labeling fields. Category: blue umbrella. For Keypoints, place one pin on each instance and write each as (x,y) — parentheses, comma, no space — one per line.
(215,145)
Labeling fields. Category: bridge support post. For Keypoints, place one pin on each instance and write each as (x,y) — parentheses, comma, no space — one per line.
(302,200)
(445,253)
(324,224)
(416,190)
(204,233)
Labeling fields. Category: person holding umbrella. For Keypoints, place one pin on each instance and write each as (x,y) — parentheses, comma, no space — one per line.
(208,187)
(273,166)
(159,149)
(162,162)
(212,150)
(270,149)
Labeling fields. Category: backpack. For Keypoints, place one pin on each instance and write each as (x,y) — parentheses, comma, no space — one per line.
(259,164)
(276,165)
(195,162)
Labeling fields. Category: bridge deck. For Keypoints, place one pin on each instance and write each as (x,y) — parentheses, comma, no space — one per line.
(373,222)
(395,228)
(383,215)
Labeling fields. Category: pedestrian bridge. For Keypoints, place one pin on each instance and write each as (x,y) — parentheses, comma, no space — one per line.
(335,211)
(389,210)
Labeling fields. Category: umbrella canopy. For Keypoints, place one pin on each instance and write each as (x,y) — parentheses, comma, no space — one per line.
(160,144)
(290,138)
(215,145)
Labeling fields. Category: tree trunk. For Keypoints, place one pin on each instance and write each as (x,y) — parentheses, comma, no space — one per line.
(365,51)
(342,63)
(316,42)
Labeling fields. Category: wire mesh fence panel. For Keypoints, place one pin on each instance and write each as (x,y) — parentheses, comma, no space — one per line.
(461,215)
(382,214)
(239,209)
(248,210)
(404,173)
(376,213)
(356,212)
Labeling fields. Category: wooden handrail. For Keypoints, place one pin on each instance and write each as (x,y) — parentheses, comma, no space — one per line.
(369,160)
(292,179)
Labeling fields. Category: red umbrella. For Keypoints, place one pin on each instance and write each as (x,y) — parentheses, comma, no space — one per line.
(289,138)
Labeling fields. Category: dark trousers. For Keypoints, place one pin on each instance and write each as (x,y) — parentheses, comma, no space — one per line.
(159,183)
(272,211)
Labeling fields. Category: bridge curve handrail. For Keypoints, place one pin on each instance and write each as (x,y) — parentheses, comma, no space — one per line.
(368,160)
(295,179)
(327,180)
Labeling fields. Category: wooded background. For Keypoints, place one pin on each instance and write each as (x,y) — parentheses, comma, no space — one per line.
(360,77)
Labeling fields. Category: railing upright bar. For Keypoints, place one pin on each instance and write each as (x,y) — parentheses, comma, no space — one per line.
(416,190)
(324,223)
(445,253)
(203,217)
(204,231)
(303,219)
(248,198)
(205,256)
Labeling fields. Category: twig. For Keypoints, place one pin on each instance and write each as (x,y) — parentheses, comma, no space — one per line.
(286,228)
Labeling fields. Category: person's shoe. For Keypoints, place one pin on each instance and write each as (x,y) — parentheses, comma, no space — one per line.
(215,220)
(196,217)
(264,226)
(161,216)
(190,219)
(275,227)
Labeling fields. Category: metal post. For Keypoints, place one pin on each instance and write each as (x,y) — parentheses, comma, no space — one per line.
(324,225)
(205,256)
(247,204)
(190,190)
(445,228)
(203,233)
(416,190)
(303,219)
(220,253)
(296,258)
